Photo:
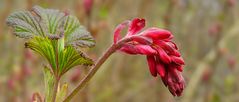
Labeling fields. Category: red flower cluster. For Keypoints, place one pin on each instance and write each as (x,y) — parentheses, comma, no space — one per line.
(162,54)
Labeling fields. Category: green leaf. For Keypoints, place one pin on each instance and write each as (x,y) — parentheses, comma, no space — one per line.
(49,84)
(76,34)
(71,58)
(50,23)
(45,48)
(50,19)
(25,25)
(59,57)
(62,93)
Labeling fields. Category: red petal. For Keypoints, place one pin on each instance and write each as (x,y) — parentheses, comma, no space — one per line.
(138,49)
(179,68)
(177,60)
(161,69)
(145,49)
(136,25)
(174,74)
(169,38)
(157,33)
(165,79)
(118,29)
(129,49)
(174,45)
(176,53)
(151,64)
(167,47)
(163,55)
(141,40)
(164,45)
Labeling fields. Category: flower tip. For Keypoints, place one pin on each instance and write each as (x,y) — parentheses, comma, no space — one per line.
(140,22)
(180,68)
(118,29)
(151,64)
(178,60)
(136,25)
(160,69)
(157,33)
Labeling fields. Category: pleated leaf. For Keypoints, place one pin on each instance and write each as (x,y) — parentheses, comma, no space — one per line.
(59,57)
(76,34)
(71,58)
(25,25)
(50,23)
(55,35)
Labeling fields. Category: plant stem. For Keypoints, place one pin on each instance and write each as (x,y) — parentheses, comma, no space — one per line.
(95,68)
(55,89)
(91,72)
(37,97)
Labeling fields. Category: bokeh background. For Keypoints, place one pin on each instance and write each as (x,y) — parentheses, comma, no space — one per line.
(206,31)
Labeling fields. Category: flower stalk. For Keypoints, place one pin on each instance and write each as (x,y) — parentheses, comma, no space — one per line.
(55,89)
(96,67)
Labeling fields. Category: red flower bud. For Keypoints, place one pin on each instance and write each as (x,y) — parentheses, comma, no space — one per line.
(136,25)
(118,29)
(156,33)
(152,65)
(161,69)
(162,54)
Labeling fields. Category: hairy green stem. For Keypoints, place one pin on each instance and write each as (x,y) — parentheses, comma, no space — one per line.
(55,89)
(95,68)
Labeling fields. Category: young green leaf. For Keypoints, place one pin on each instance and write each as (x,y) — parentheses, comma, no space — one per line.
(54,21)
(49,83)
(55,35)
(76,34)
(44,47)
(51,23)
(25,25)
(71,58)
(61,59)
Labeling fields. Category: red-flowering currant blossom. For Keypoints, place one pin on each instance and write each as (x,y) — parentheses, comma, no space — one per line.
(162,54)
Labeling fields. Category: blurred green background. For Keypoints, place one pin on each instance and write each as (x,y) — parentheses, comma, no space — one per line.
(206,31)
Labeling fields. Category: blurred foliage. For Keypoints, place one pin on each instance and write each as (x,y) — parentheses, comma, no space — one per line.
(205,30)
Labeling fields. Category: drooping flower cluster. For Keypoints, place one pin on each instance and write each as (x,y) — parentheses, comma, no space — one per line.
(162,54)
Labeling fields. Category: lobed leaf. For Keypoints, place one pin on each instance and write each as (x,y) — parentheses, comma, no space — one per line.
(60,58)
(48,22)
(54,35)
(44,47)
(76,34)
(24,24)
(71,58)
